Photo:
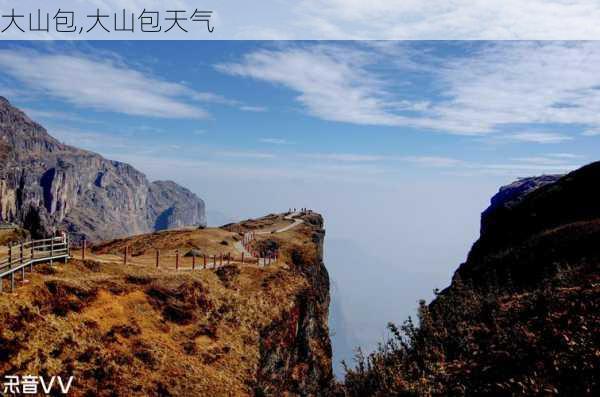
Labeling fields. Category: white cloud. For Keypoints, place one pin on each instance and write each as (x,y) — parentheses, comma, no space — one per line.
(565,156)
(245,154)
(37,114)
(539,137)
(591,132)
(434,161)
(540,160)
(441,19)
(522,83)
(102,85)
(276,141)
(345,157)
(256,109)
(488,89)
(332,83)
(529,169)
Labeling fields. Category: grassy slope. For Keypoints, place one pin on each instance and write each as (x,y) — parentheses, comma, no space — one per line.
(138,330)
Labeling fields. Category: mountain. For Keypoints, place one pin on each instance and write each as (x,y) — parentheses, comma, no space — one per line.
(522,314)
(45,185)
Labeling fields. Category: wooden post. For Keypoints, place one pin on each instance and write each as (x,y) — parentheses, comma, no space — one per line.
(177,259)
(32,256)
(12,282)
(51,249)
(214,261)
(242,258)
(67,248)
(21,261)
(221,259)
(84,246)
(157,256)
(205,261)
(194,262)
(125,255)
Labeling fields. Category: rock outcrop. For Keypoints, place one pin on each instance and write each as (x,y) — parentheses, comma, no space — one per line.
(295,351)
(521,314)
(510,195)
(45,185)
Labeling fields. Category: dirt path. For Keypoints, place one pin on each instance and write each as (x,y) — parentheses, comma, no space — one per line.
(239,246)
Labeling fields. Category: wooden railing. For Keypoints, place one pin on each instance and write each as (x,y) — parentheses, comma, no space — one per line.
(17,257)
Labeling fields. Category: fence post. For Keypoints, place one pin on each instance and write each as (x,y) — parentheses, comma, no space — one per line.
(220,259)
(205,261)
(83,249)
(21,261)
(157,256)
(214,261)
(12,282)
(51,249)
(242,258)
(125,256)
(177,259)
(32,255)
(194,262)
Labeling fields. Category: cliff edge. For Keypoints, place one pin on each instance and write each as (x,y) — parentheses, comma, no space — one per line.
(214,324)
(521,316)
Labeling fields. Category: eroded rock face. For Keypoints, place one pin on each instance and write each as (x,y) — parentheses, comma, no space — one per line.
(529,284)
(511,195)
(295,351)
(45,185)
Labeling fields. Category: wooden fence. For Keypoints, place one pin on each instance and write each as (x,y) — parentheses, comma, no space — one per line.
(17,257)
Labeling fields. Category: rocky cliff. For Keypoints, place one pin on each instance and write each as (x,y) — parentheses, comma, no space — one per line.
(45,185)
(521,314)
(295,350)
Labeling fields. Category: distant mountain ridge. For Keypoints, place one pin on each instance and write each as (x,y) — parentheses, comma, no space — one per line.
(45,185)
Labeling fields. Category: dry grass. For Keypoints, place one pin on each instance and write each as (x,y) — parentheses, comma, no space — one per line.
(139,330)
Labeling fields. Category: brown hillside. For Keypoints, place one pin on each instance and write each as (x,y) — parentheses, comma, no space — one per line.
(137,330)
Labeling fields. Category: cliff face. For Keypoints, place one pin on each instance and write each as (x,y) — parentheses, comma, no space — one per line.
(521,314)
(45,185)
(295,351)
(509,196)
(138,330)
(533,227)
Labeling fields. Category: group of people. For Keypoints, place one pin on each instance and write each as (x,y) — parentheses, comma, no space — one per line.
(302,210)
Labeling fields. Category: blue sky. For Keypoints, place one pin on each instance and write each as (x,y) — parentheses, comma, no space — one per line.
(399,144)
(458,108)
